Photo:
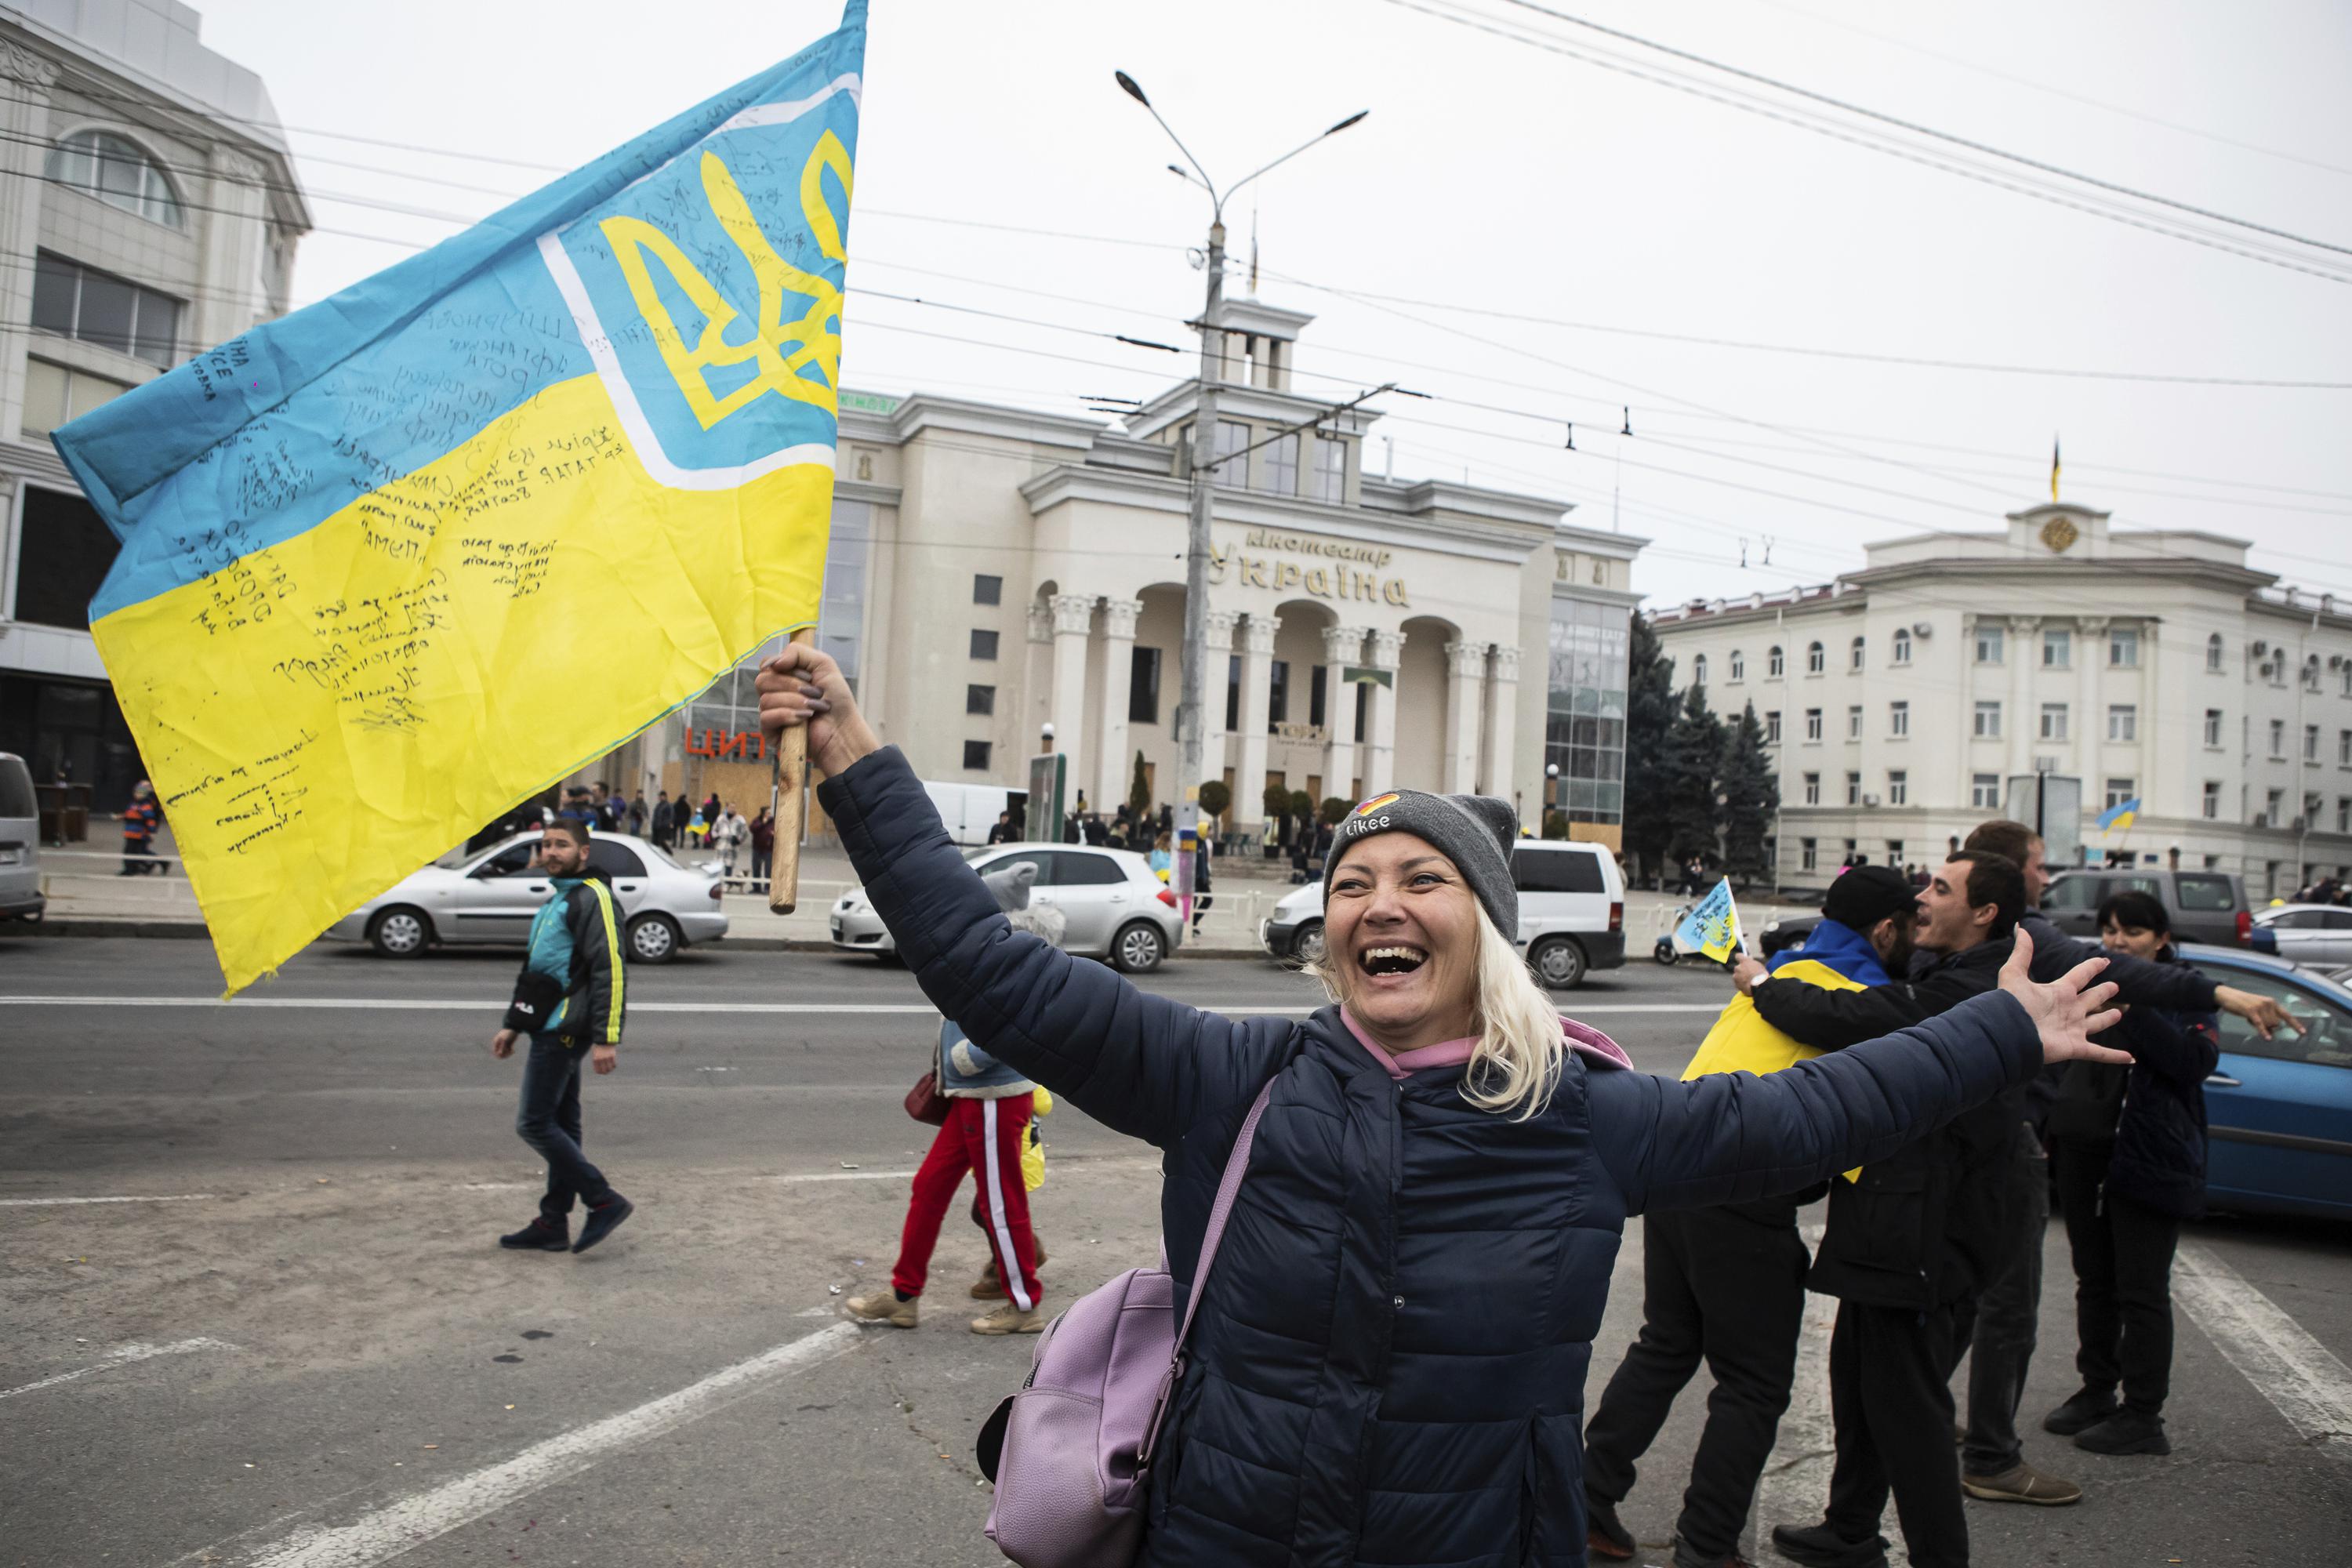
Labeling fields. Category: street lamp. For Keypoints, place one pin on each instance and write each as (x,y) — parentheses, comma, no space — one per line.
(1192,685)
(1047,734)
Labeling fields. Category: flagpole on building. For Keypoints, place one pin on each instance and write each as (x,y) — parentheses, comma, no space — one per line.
(1191,736)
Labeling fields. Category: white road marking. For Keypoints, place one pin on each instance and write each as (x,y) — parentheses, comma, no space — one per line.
(493,1004)
(2304,1380)
(134,1198)
(388,1532)
(122,1355)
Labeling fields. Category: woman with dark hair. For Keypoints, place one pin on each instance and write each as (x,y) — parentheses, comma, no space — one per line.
(1389,1367)
(2128,1151)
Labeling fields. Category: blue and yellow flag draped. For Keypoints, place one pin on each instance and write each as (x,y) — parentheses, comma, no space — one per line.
(411,554)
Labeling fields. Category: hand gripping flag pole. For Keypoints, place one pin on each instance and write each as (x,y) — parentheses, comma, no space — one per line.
(788,808)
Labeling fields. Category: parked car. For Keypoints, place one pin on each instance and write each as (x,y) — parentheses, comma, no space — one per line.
(491,896)
(1571,913)
(2280,1110)
(2205,906)
(2318,936)
(1112,904)
(20,843)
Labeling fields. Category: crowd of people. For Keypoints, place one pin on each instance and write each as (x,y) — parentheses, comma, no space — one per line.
(1441,1166)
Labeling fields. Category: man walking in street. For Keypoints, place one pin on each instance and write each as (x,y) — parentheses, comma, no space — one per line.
(568,1001)
(664,835)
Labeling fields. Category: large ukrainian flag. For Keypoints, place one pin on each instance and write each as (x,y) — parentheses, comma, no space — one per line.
(402,558)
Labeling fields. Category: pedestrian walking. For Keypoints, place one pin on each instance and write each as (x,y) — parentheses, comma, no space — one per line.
(638,815)
(665,834)
(987,1133)
(141,818)
(1725,1284)
(1163,858)
(1390,1367)
(763,846)
(1002,833)
(2127,1146)
(568,1004)
(1201,897)
(729,834)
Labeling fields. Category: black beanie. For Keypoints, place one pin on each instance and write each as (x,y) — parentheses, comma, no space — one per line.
(1474,831)
(1864,895)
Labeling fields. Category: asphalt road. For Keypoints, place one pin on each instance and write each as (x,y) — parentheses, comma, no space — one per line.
(297,1345)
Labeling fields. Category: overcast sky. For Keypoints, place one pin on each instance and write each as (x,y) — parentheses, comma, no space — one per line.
(1497,177)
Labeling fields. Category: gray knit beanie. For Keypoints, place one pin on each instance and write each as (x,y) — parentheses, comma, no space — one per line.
(1473,831)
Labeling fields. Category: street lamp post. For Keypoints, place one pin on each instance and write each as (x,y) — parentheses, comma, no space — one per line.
(1191,735)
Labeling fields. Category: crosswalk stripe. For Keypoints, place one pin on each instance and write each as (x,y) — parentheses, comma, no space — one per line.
(2305,1381)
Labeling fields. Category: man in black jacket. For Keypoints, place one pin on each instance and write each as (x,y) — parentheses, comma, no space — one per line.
(1909,1241)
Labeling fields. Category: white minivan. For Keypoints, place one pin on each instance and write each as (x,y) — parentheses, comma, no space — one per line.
(1571,913)
(20,843)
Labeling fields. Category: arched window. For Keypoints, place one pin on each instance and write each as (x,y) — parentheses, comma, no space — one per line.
(2213,653)
(1738,666)
(1902,644)
(1854,659)
(1698,669)
(1817,658)
(1774,664)
(116,170)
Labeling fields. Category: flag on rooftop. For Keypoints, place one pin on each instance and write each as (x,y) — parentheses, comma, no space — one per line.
(410,556)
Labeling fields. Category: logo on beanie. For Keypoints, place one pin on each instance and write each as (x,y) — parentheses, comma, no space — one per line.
(1375,804)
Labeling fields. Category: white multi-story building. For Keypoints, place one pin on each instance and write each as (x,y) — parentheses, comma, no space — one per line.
(148,209)
(1900,700)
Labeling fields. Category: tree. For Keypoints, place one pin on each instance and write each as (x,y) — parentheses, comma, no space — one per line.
(1215,796)
(1302,804)
(1691,754)
(1751,795)
(1277,801)
(1139,793)
(1335,810)
(1649,715)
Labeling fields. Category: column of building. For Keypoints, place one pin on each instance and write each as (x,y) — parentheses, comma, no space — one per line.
(1074,617)
(1257,696)
(2023,721)
(1215,738)
(1502,727)
(2091,713)
(1114,765)
(1342,646)
(1966,709)
(1465,675)
(1380,756)
(24,141)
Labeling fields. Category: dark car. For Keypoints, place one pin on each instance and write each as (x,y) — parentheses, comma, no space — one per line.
(2205,906)
(2280,1110)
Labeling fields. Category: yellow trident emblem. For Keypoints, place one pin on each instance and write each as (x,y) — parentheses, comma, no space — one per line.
(779,347)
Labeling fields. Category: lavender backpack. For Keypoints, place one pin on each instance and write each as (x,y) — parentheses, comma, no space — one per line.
(1071,1452)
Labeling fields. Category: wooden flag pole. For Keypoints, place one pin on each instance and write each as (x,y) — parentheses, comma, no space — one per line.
(788,808)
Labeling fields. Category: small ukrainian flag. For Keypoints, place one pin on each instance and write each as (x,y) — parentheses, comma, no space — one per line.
(2117,817)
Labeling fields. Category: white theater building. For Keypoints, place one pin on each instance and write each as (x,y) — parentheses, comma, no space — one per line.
(1900,700)
(993,570)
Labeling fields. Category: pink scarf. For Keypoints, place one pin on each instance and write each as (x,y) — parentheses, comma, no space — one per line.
(1582,1037)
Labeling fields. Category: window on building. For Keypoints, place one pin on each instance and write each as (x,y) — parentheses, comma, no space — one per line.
(2276,669)
(1992,645)
(1855,653)
(1984,791)
(2122,648)
(93,307)
(2343,814)
(1809,855)
(2213,653)
(1898,719)
(987,590)
(1988,722)
(116,170)
(1812,724)
(1277,689)
(975,756)
(2212,807)
(1738,669)
(1589,647)
(1331,478)
(2120,791)
(1143,685)
(1698,669)
(1895,853)
(2311,812)
(1898,787)
(1772,727)
(2311,743)
(1363,710)
(1853,722)
(1852,792)
(2057,649)
(2310,673)
(2054,720)
(1233,692)
(1812,789)
(1774,666)
(2278,738)
(1902,644)
(1278,465)
(983,643)
(53,395)
(980,699)
(1817,658)
(62,559)
(2348,677)
(2343,748)
(2273,809)
(1232,469)
(2123,721)
(2213,728)
(1317,680)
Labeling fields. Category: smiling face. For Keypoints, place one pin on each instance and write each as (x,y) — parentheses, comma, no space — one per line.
(1400,926)
(1946,921)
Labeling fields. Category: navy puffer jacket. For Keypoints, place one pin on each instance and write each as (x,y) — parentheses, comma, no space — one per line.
(1389,1367)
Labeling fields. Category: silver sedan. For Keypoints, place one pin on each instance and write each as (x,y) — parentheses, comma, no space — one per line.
(1114,904)
(491,896)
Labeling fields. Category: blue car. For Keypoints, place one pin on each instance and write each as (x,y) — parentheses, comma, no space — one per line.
(2280,1110)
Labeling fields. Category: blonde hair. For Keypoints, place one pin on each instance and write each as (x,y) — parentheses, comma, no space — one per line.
(1516,1063)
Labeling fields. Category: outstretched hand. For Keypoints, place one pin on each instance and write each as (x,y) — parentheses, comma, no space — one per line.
(2069,1010)
(802,686)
